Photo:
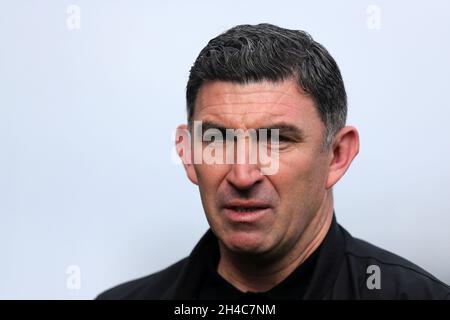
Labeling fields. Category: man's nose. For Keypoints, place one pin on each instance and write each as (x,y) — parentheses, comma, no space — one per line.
(245,171)
(244,176)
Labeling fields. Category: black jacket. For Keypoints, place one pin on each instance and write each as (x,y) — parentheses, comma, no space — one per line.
(345,269)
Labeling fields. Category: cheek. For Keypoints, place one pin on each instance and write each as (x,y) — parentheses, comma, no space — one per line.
(209,178)
(300,179)
(292,174)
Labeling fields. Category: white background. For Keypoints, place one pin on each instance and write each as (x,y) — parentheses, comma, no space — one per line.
(87,117)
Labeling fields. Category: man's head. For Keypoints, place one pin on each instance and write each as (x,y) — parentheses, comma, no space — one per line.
(253,53)
(264,76)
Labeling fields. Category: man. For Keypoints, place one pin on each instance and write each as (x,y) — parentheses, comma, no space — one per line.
(273,235)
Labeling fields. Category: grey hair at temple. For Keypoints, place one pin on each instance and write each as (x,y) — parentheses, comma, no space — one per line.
(265,52)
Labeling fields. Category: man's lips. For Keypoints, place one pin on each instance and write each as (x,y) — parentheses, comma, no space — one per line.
(246,211)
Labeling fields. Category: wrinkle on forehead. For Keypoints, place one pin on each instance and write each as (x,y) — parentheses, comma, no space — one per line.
(245,120)
(229,93)
(252,103)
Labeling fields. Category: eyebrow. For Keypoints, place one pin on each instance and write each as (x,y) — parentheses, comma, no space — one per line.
(285,129)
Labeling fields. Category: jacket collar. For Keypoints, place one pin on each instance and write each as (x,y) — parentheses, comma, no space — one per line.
(328,262)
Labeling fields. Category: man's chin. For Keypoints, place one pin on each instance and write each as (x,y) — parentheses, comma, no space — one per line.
(245,242)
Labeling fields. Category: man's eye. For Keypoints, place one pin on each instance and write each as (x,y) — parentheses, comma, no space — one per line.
(281,139)
(212,137)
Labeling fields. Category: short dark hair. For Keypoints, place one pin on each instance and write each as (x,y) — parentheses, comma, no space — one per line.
(254,53)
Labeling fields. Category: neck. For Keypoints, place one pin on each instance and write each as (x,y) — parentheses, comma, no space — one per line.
(259,274)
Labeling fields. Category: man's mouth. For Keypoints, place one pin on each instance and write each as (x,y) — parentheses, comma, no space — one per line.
(246,212)
(246,209)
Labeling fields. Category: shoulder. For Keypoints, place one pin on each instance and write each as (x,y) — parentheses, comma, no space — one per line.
(398,277)
(153,286)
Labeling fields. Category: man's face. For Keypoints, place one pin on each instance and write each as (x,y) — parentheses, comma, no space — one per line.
(248,211)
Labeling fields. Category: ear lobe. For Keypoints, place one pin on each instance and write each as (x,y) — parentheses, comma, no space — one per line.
(184,151)
(345,148)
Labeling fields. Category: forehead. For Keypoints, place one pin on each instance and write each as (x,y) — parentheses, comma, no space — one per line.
(255,105)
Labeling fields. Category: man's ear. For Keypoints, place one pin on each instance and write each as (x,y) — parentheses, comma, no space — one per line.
(184,151)
(344,149)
